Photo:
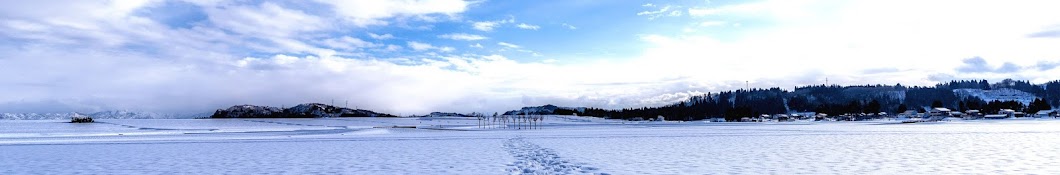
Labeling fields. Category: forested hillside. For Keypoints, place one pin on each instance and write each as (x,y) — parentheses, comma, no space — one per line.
(834,99)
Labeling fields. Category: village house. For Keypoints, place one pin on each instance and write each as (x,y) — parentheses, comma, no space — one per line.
(1047,113)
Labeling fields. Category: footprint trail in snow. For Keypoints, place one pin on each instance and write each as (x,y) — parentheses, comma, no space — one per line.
(533,159)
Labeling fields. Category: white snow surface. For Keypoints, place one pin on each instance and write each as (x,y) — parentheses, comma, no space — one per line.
(560,145)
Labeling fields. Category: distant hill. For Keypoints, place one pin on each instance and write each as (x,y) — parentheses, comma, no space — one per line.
(308,110)
(833,99)
(547,110)
(447,114)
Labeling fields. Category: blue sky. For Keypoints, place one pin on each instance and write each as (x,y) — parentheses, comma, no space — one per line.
(418,56)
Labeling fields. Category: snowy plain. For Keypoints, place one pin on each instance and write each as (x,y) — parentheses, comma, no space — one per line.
(562,145)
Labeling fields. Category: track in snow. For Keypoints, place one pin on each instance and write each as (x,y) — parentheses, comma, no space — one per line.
(533,159)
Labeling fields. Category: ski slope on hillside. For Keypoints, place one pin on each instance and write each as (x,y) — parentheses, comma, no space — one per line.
(1001,94)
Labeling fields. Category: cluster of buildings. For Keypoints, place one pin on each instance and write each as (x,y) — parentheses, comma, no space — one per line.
(940,113)
(932,114)
(781,117)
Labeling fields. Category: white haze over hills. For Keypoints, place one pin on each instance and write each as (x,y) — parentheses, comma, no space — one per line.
(101,115)
(401,57)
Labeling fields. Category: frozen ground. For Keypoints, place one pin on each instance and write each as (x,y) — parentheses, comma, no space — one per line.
(562,145)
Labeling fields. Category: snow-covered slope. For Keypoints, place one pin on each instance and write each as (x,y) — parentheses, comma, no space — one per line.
(1001,94)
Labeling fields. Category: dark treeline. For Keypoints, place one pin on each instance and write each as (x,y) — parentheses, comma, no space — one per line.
(834,100)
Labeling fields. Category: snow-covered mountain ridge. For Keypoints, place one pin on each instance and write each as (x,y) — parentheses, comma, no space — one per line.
(308,110)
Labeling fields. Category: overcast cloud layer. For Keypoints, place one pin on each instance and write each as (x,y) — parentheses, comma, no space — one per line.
(417,56)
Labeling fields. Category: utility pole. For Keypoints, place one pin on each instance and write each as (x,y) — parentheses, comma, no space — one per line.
(747,85)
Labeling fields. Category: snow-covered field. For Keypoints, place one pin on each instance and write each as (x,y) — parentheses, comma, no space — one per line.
(562,145)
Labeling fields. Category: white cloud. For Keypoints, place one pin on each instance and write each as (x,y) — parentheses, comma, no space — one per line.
(517,48)
(648,5)
(347,43)
(74,10)
(78,58)
(486,25)
(275,28)
(448,83)
(79,23)
(380,37)
(509,45)
(446,49)
(772,9)
(265,20)
(490,25)
(418,46)
(712,23)
(569,26)
(656,13)
(374,12)
(702,11)
(804,45)
(675,13)
(528,26)
(660,11)
(463,36)
(392,47)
